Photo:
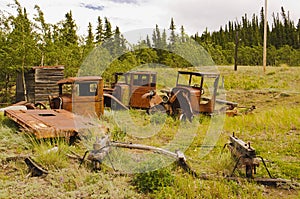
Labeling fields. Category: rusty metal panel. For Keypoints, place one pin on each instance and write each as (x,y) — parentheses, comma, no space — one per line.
(49,123)
(137,100)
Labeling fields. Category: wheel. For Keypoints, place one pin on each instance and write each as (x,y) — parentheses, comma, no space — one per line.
(183,117)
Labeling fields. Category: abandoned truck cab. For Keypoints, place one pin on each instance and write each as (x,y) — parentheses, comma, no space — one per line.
(195,93)
(135,89)
(80,95)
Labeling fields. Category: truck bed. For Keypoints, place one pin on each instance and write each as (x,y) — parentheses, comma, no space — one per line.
(49,123)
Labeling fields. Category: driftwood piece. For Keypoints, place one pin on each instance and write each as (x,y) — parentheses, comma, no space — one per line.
(16,158)
(144,147)
(34,169)
(101,150)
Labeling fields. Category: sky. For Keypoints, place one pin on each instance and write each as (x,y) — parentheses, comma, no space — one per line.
(129,15)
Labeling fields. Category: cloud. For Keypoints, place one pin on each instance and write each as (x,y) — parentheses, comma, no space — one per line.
(92,7)
(125,1)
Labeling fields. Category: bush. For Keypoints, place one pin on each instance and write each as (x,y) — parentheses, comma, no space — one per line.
(152,181)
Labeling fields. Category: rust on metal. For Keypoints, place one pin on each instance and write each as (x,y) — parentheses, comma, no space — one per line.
(245,156)
(130,89)
(81,95)
(194,93)
(49,123)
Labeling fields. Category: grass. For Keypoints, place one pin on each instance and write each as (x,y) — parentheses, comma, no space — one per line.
(273,129)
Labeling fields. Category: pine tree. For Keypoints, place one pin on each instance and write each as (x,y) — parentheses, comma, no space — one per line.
(261,25)
(158,42)
(298,35)
(45,42)
(99,31)
(182,34)
(172,34)
(164,40)
(90,37)
(118,43)
(68,31)
(148,42)
(107,29)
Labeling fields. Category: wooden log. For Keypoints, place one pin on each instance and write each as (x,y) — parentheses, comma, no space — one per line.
(144,147)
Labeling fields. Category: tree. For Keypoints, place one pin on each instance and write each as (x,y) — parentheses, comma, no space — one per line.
(148,42)
(89,41)
(99,31)
(107,29)
(68,31)
(21,44)
(156,37)
(182,34)
(298,35)
(164,40)
(119,46)
(172,34)
(7,71)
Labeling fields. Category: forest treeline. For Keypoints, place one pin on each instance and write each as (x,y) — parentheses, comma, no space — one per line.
(283,41)
(25,43)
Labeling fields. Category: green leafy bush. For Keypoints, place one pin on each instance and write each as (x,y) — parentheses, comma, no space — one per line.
(152,181)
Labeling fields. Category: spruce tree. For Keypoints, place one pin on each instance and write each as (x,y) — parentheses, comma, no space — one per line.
(172,34)
(107,29)
(99,31)
(90,37)
(68,31)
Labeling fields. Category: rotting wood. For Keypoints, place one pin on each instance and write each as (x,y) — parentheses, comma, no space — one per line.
(34,169)
(37,79)
(103,146)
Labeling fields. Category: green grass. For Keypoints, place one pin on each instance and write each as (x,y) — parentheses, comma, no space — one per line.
(273,129)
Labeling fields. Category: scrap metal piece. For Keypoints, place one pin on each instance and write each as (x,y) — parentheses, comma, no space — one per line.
(49,123)
(245,155)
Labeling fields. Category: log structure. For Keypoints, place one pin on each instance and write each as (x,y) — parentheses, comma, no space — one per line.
(40,82)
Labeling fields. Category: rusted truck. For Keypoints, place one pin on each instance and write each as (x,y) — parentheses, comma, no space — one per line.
(80,95)
(80,98)
(194,93)
(134,89)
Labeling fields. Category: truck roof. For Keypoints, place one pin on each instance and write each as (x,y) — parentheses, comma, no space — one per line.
(212,74)
(137,72)
(71,80)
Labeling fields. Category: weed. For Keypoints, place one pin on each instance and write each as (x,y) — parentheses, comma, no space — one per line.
(152,181)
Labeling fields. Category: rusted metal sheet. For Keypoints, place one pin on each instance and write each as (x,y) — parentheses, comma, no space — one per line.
(49,123)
